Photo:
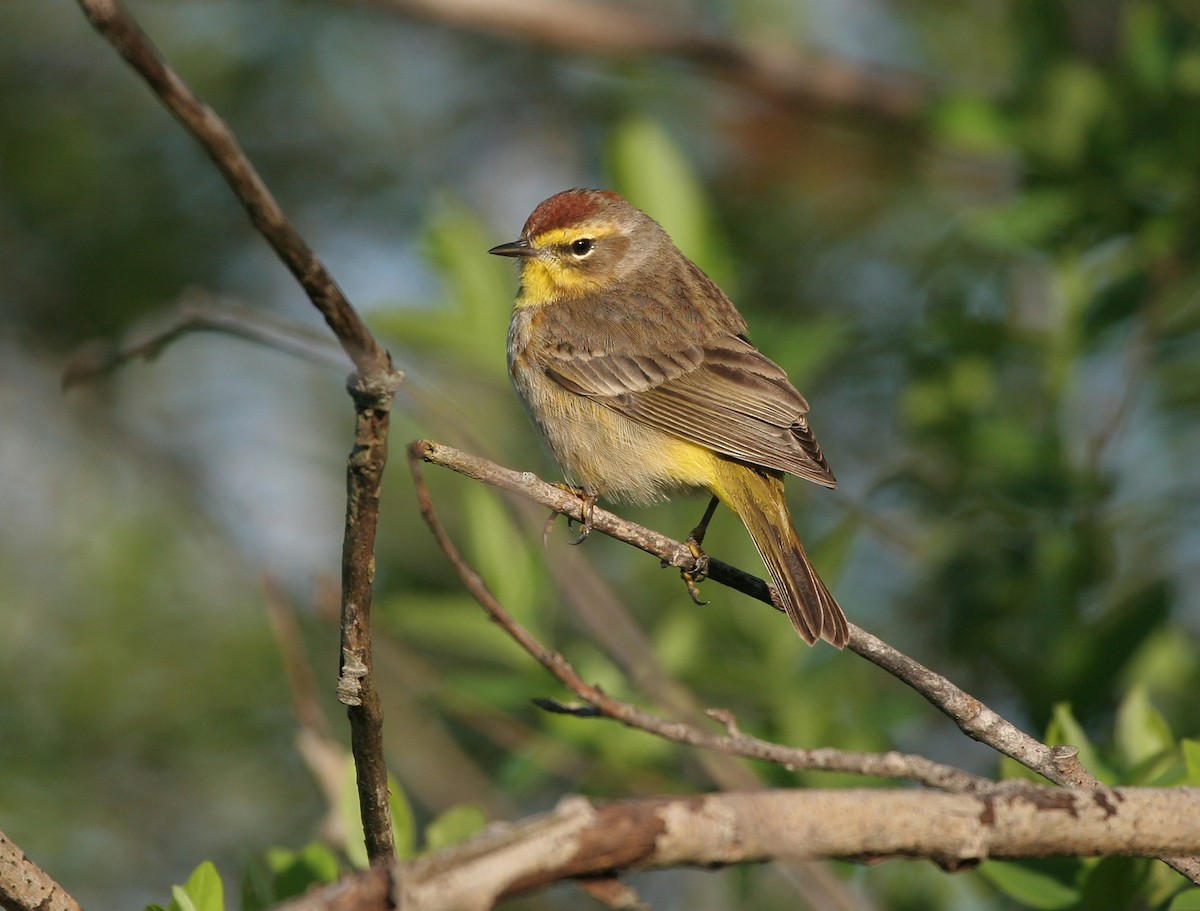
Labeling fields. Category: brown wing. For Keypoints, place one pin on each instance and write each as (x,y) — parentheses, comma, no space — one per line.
(721,393)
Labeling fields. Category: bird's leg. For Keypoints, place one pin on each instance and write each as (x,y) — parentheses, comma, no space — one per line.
(699,571)
(587,505)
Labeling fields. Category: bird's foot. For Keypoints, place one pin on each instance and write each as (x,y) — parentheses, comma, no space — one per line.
(699,571)
(587,506)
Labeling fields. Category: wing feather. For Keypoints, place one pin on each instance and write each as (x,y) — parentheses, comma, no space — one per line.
(723,394)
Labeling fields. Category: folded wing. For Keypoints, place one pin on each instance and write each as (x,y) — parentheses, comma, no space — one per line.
(721,393)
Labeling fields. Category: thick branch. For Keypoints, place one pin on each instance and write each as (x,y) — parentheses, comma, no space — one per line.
(356,681)
(24,886)
(581,838)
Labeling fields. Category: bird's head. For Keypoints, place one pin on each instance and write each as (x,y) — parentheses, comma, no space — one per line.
(579,242)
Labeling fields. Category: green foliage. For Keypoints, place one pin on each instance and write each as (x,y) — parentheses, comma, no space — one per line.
(454,825)
(203,891)
(1032,887)
(1188,900)
(994,317)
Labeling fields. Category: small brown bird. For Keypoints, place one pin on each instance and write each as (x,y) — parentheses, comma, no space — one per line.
(636,369)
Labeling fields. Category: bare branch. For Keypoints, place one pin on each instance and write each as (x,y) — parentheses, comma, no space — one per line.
(114,22)
(886,765)
(581,838)
(373,389)
(970,714)
(198,311)
(24,886)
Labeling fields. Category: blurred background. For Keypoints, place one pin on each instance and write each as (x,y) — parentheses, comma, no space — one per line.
(968,231)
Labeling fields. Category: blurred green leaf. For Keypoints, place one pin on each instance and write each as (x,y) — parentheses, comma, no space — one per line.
(1115,882)
(294,872)
(1188,900)
(499,550)
(1027,220)
(1146,48)
(972,124)
(651,171)
(203,891)
(1076,97)
(1033,888)
(1065,730)
(1191,756)
(470,322)
(454,825)
(403,824)
(1141,732)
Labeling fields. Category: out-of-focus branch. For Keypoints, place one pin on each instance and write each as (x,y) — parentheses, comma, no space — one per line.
(372,387)
(198,311)
(610,29)
(887,765)
(581,838)
(24,886)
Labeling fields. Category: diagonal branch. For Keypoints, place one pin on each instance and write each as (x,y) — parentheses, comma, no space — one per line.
(885,765)
(24,886)
(1059,764)
(372,387)
(198,311)
(122,31)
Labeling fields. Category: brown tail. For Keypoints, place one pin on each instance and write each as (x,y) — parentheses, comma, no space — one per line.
(759,501)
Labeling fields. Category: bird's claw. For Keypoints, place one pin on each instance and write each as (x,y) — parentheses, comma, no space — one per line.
(587,505)
(698,573)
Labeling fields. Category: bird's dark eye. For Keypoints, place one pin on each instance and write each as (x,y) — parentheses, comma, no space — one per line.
(582,247)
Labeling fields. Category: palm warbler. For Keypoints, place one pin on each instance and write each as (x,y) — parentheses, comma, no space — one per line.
(636,370)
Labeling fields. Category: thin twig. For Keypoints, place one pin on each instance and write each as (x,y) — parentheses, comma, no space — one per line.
(972,716)
(199,311)
(372,387)
(886,765)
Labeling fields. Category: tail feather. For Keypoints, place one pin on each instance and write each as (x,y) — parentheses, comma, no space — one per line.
(758,499)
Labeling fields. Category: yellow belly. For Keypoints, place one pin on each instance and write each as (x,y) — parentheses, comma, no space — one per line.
(609,454)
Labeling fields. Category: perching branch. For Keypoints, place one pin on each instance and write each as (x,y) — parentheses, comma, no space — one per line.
(734,742)
(581,838)
(1059,764)
(372,387)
